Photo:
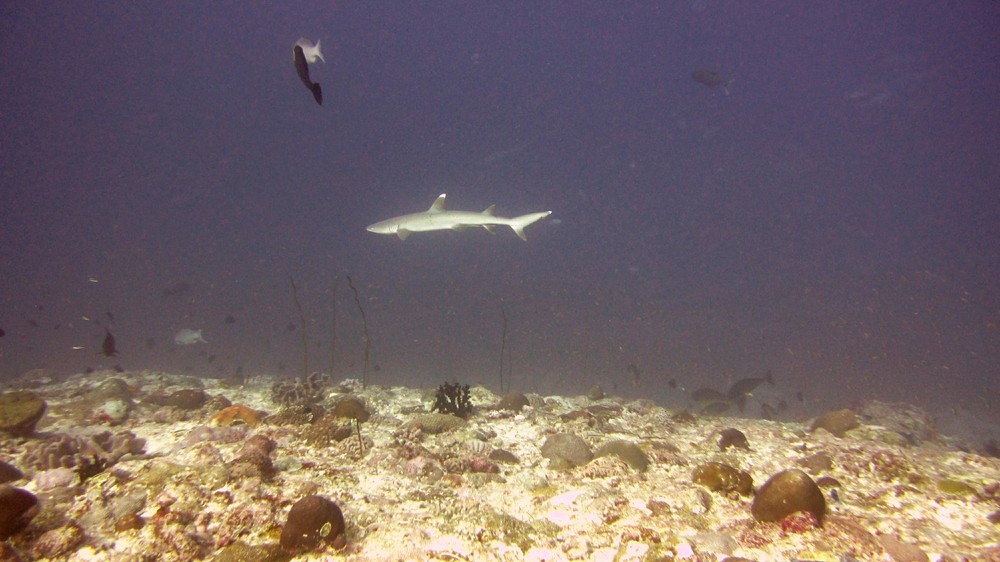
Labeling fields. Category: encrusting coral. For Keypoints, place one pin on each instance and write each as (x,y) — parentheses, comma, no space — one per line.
(69,451)
(236,413)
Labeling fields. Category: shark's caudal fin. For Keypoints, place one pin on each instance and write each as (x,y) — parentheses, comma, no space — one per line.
(519,223)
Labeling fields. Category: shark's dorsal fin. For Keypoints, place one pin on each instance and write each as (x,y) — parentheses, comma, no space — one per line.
(491,211)
(438,205)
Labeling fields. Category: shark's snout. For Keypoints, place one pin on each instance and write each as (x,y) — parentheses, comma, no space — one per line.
(380,228)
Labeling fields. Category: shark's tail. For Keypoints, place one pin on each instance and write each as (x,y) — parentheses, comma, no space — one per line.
(519,223)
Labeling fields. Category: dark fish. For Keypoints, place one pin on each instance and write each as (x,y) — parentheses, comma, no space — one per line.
(672,383)
(302,67)
(712,401)
(704,396)
(634,373)
(32,323)
(108,347)
(229,319)
(768,412)
(2,333)
(715,409)
(111,317)
(176,288)
(290,327)
(709,78)
(744,387)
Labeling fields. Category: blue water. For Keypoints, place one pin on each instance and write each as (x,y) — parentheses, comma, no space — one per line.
(831,213)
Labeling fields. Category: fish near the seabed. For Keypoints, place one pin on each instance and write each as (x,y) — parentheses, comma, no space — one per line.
(634,373)
(309,50)
(715,409)
(711,401)
(704,396)
(108,348)
(188,336)
(742,388)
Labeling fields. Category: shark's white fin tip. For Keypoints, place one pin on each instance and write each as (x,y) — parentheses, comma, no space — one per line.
(519,223)
(438,205)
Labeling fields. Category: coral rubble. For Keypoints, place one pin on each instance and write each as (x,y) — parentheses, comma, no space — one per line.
(194,477)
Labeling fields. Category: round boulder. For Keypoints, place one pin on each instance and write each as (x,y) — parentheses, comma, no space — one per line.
(785,493)
(17,508)
(566,450)
(19,412)
(313,519)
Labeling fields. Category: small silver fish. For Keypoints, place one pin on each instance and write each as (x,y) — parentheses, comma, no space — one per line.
(188,336)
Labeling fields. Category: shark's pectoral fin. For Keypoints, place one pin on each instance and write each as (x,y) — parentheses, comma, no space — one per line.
(402,233)
(490,228)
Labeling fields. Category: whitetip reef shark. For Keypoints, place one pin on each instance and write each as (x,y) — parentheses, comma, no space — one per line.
(303,53)
(439,218)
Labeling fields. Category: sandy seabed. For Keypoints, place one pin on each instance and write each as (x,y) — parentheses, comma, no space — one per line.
(197,483)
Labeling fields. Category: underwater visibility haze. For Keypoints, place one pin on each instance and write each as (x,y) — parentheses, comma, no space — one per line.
(804,191)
